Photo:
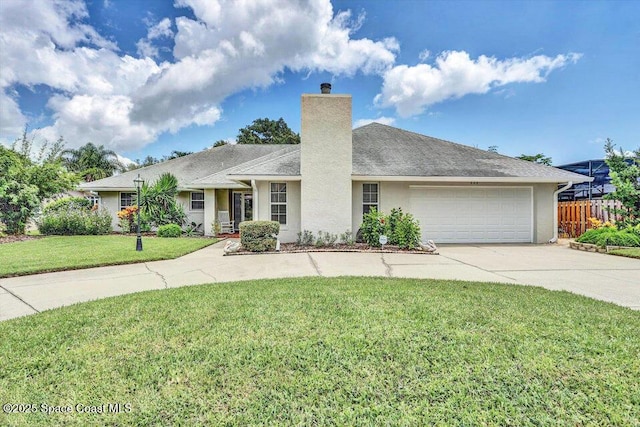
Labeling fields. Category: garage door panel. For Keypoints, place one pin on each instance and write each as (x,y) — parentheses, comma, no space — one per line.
(473,215)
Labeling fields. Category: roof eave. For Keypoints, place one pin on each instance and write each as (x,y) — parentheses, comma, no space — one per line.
(265,177)
(470,179)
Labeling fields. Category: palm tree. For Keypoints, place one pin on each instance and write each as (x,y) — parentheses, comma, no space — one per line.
(92,162)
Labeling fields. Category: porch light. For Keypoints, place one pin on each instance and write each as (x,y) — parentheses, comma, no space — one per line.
(138,182)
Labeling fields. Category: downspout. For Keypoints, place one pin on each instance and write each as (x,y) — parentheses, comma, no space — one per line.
(254,187)
(554,239)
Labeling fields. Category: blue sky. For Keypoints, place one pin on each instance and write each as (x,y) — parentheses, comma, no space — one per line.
(148,77)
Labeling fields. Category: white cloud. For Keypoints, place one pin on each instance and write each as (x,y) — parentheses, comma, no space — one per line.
(12,121)
(232,46)
(382,120)
(122,102)
(424,55)
(160,30)
(410,89)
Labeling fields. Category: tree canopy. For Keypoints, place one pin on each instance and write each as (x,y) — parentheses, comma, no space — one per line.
(625,176)
(26,182)
(267,131)
(92,162)
(539,158)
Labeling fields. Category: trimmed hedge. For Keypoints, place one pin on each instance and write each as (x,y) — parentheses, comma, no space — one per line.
(259,236)
(169,230)
(609,236)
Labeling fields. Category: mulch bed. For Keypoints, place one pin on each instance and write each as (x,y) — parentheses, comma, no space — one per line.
(17,238)
(292,248)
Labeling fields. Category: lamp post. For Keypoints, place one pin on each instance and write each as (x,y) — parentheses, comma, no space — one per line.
(138,181)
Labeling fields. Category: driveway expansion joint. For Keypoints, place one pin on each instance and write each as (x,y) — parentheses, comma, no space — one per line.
(19,299)
(314,264)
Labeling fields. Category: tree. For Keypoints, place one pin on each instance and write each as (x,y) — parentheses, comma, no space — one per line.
(92,162)
(625,176)
(219,143)
(158,203)
(266,131)
(25,183)
(493,149)
(539,158)
(175,154)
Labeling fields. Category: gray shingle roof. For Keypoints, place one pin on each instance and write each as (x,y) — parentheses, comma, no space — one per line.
(378,151)
(188,168)
(285,161)
(381,150)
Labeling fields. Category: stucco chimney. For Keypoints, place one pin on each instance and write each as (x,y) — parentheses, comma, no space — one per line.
(325,88)
(325,163)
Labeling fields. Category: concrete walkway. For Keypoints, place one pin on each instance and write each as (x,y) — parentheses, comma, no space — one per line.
(556,267)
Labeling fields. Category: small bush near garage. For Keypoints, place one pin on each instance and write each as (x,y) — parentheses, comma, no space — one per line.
(259,236)
(74,216)
(169,230)
(610,236)
(401,229)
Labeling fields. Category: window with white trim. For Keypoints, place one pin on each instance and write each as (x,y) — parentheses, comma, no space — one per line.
(197,201)
(279,202)
(369,197)
(127,199)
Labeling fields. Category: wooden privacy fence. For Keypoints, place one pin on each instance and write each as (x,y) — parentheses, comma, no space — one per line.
(573,217)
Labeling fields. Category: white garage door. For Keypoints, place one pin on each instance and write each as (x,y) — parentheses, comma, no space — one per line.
(474,215)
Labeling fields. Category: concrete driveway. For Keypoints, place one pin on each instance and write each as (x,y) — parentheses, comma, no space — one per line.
(556,267)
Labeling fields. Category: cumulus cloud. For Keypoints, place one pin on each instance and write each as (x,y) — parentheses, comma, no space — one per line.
(382,120)
(161,30)
(220,47)
(410,89)
(122,102)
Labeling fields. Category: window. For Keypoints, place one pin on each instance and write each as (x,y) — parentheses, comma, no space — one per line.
(94,200)
(369,197)
(197,201)
(127,199)
(279,202)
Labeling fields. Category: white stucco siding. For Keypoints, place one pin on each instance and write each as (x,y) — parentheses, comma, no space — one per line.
(288,231)
(111,202)
(543,212)
(209,211)
(197,216)
(325,163)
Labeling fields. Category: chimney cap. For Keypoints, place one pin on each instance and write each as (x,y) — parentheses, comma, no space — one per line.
(325,88)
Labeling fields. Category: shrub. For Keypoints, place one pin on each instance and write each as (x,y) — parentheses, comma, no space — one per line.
(169,230)
(373,225)
(75,221)
(401,229)
(407,232)
(3,229)
(305,238)
(347,238)
(607,236)
(259,236)
(67,203)
(326,239)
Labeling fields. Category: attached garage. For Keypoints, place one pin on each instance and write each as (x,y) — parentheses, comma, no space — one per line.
(474,214)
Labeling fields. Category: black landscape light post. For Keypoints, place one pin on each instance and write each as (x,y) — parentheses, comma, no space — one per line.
(138,181)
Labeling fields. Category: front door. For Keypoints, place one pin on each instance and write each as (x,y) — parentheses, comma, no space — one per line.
(242,208)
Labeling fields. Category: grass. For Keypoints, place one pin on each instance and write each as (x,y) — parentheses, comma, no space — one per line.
(73,252)
(629,252)
(329,351)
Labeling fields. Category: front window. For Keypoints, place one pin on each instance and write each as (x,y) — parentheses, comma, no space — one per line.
(127,199)
(197,201)
(369,197)
(279,202)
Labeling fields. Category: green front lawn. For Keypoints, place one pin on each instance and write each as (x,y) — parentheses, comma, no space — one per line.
(72,252)
(629,252)
(328,351)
